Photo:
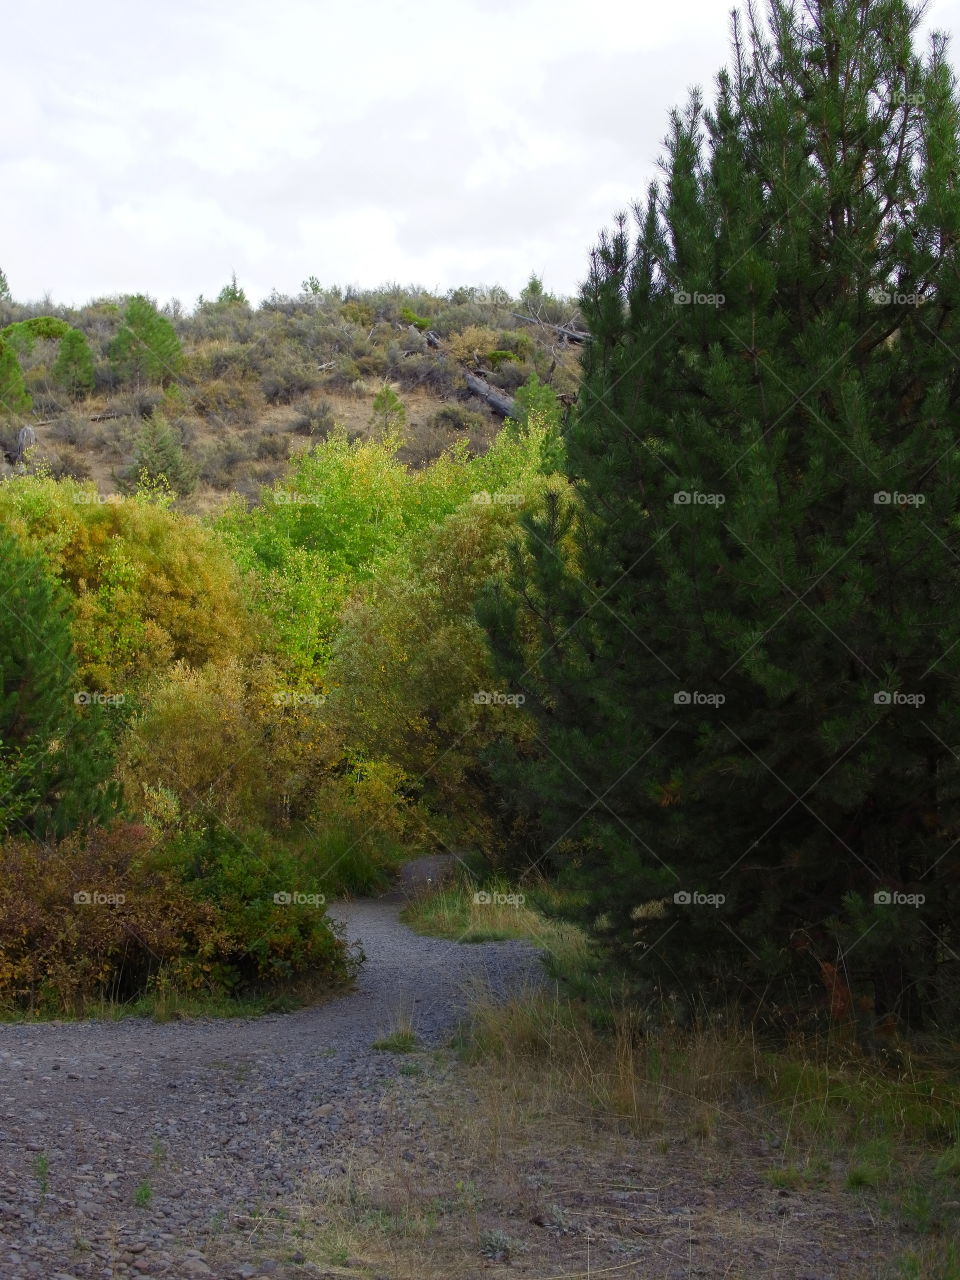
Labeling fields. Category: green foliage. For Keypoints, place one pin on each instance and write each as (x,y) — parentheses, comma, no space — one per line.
(15,340)
(231,294)
(73,368)
(410,317)
(147,348)
(119,915)
(14,397)
(150,587)
(54,754)
(4,287)
(761,367)
(389,413)
(160,459)
(538,404)
(312,286)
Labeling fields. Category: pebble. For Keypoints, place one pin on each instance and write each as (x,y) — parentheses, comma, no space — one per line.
(220,1118)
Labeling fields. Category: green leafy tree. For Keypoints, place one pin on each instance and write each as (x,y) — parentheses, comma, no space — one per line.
(4,287)
(159,458)
(147,348)
(736,772)
(73,368)
(55,760)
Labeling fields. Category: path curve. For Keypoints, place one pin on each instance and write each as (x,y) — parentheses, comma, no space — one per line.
(218,1118)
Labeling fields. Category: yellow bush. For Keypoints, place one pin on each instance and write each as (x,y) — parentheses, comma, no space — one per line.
(152,586)
(474,344)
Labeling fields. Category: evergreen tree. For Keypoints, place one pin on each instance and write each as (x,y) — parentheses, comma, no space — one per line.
(14,397)
(147,348)
(159,457)
(232,293)
(15,340)
(4,287)
(740,614)
(54,751)
(73,367)
(389,412)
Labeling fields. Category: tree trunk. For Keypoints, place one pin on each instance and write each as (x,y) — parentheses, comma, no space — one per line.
(498,400)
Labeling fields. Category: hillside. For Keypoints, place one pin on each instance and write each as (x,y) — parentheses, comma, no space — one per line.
(259,384)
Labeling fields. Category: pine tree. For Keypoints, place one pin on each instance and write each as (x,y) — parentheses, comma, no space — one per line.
(232,294)
(4,288)
(73,368)
(389,412)
(54,750)
(740,614)
(15,340)
(147,348)
(159,457)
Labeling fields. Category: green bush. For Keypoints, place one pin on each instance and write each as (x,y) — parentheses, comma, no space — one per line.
(197,916)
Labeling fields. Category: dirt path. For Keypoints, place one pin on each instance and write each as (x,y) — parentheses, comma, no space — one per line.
(124,1145)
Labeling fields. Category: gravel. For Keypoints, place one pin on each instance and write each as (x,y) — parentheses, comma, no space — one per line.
(127,1147)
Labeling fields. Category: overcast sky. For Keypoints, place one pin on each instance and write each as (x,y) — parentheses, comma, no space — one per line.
(434,142)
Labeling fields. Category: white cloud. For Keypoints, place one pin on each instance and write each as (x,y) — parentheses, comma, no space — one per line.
(440,143)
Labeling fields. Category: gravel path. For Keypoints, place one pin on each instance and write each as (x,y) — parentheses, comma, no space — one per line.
(213,1120)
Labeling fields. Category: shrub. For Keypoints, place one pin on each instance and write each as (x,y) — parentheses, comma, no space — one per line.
(313,418)
(472,345)
(229,401)
(150,586)
(287,377)
(273,447)
(197,914)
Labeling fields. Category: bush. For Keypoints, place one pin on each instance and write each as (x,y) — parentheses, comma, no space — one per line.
(313,418)
(150,587)
(287,377)
(273,447)
(198,915)
(229,401)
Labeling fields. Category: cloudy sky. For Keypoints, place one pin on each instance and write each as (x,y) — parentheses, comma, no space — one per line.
(435,142)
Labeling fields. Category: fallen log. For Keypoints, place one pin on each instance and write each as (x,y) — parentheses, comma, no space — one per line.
(571,335)
(498,400)
(96,417)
